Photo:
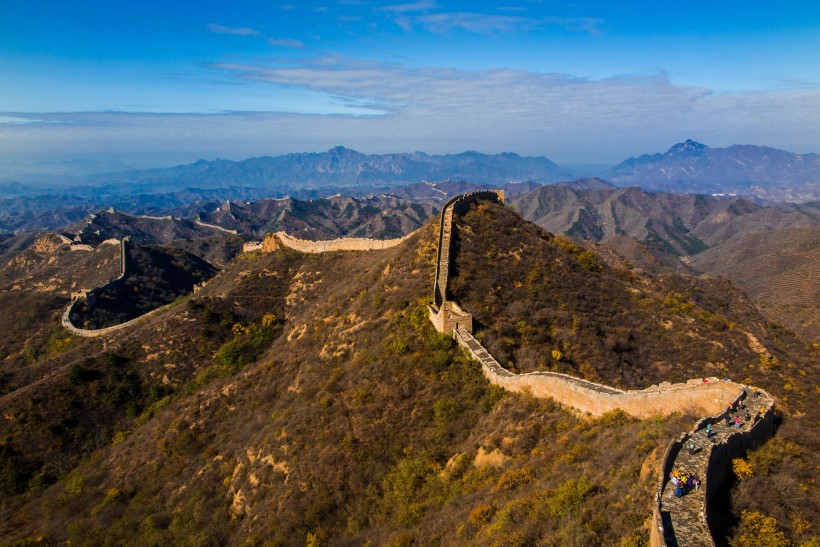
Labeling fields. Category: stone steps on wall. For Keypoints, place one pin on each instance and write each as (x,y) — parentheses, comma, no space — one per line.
(684,518)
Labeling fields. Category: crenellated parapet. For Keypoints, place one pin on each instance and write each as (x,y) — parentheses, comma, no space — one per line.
(445,314)
(455,206)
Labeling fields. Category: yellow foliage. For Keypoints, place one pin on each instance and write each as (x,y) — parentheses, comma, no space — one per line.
(758,530)
(268,319)
(514,478)
(742,468)
(481,513)
(800,525)
(557,355)
(112,494)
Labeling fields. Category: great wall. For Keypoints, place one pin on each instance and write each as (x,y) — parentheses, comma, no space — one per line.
(676,521)
(93,293)
(341,244)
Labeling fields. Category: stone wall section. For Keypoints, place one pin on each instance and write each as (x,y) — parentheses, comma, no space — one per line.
(689,520)
(214,227)
(95,333)
(341,244)
(673,522)
(703,395)
(457,205)
(91,295)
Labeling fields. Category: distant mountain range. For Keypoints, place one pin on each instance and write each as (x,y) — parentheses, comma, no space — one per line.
(692,167)
(689,167)
(326,172)
(772,253)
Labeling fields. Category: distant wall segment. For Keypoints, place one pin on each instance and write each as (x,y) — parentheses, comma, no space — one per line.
(92,295)
(341,244)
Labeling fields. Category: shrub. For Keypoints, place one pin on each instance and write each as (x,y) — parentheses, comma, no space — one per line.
(445,411)
(742,468)
(588,261)
(397,346)
(513,478)
(569,496)
(248,342)
(403,487)
(482,514)
(758,530)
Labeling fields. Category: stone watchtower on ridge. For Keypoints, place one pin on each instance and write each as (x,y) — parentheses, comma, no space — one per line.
(446,315)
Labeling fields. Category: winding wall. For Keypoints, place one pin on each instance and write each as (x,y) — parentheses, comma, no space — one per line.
(675,521)
(94,333)
(700,396)
(215,227)
(457,205)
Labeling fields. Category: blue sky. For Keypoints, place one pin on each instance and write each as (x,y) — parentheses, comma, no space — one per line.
(580,82)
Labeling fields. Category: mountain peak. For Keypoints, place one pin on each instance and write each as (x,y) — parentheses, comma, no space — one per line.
(689,147)
(341,150)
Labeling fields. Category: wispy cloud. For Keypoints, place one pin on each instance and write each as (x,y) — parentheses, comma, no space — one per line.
(376,106)
(295,44)
(236,31)
(411,6)
(512,104)
(486,23)
(244,31)
(15,120)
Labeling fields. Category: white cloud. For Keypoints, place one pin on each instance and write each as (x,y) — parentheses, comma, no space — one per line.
(383,107)
(236,31)
(443,22)
(478,23)
(245,31)
(411,6)
(14,120)
(295,44)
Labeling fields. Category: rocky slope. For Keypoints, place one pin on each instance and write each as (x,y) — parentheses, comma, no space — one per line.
(307,399)
(383,217)
(745,242)
(680,224)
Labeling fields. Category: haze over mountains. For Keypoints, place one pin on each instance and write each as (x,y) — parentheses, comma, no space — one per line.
(759,171)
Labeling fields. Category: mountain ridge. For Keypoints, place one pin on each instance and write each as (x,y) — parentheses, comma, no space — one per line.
(692,167)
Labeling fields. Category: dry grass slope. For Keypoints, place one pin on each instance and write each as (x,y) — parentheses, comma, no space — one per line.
(307,399)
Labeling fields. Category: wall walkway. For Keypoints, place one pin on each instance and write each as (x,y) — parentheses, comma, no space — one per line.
(341,244)
(215,227)
(684,521)
(702,396)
